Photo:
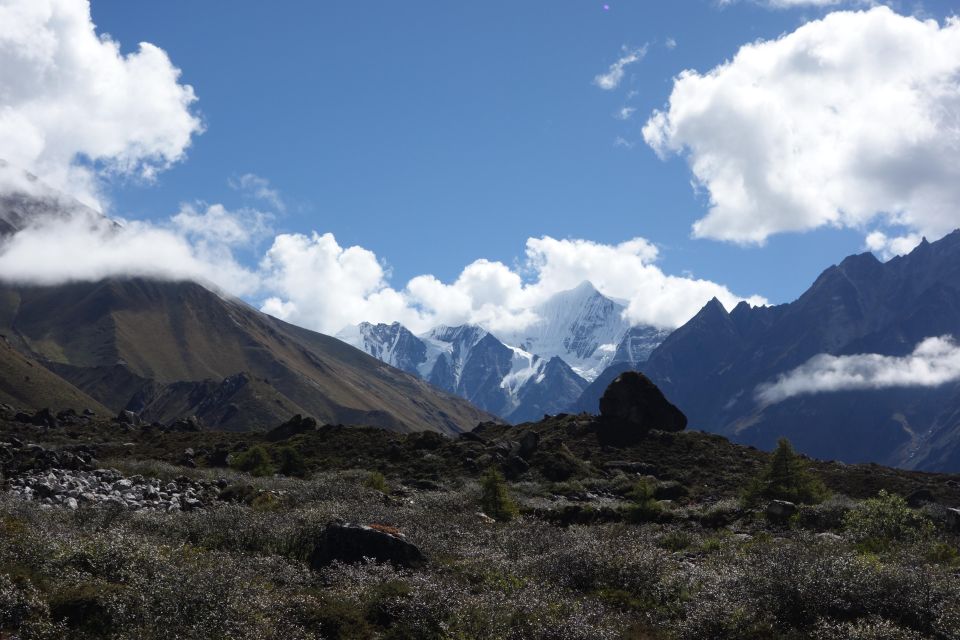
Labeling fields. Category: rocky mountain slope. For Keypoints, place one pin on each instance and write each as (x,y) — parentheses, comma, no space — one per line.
(714,366)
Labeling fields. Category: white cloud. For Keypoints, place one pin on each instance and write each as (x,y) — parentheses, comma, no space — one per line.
(321,285)
(90,247)
(67,93)
(624,113)
(671,44)
(218,225)
(614,75)
(888,247)
(934,362)
(849,121)
(254,186)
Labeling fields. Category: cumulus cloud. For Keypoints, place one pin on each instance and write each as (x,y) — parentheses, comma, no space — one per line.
(324,286)
(890,246)
(849,121)
(934,362)
(624,113)
(614,75)
(73,107)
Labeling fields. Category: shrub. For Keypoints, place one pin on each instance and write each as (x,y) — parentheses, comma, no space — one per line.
(376,481)
(291,463)
(255,461)
(786,477)
(879,522)
(645,507)
(495,499)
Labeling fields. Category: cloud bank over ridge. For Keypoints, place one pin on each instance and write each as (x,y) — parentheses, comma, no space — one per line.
(934,362)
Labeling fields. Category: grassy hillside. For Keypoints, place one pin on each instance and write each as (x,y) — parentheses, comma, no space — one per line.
(114,337)
(26,384)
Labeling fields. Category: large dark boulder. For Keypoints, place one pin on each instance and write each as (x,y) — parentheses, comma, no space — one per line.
(632,405)
(352,543)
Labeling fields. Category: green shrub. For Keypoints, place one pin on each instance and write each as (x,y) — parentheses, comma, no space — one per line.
(645,506)
(943,553)
(879,522)
(495,499)
(786,477)
(255,461)
(376,481)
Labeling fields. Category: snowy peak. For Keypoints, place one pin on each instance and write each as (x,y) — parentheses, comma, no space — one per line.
(391,343)
(581,326)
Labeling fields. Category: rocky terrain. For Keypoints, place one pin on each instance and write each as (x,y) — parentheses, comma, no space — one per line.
(618,525)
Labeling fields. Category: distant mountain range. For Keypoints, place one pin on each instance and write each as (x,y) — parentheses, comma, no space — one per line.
(716,366)
(519,376)
(172,349)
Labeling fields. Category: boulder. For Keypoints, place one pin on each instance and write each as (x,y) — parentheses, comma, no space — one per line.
(352,543)
(952,520)
(294,426)
(515,466)
(632,405)
(780,510)
(670,490)
(919,498)
(528,445)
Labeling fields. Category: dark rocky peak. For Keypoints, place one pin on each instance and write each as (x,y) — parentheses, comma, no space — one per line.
(861,266)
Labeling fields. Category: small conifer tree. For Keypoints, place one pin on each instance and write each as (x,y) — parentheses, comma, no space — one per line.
(786,477)
(495,499)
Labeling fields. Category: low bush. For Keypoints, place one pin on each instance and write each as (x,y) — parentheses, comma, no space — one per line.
(876,523)
(255,461)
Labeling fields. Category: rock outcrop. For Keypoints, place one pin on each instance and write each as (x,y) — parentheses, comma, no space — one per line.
(350,543)
(632,405)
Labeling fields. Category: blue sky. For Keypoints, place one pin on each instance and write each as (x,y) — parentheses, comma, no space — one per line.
(435,134)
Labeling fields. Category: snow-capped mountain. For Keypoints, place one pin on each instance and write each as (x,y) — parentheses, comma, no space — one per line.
(524,374)
(391,343)
(581,326)
(472,363)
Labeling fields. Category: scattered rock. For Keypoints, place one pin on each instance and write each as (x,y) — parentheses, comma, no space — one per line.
(68,488)
(352,543)
(632,405)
